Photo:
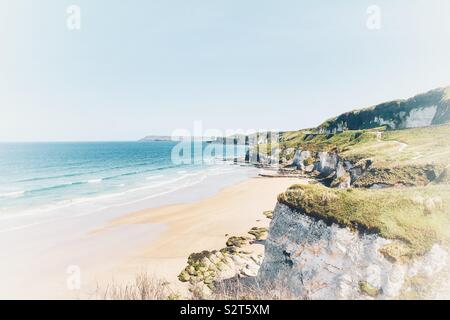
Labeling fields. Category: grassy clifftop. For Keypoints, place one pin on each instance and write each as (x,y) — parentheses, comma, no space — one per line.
(407,147)
(306,140)
(427,145)
(415,218)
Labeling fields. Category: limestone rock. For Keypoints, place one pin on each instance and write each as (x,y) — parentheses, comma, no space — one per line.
(323,261)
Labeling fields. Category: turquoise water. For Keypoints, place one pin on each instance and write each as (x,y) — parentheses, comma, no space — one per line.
(45,179)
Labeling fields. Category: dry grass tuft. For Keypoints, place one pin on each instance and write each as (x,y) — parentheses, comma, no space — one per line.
(144,287)
(250,289)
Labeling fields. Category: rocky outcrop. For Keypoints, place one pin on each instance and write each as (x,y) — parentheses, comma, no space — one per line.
(327,261)
(208,267)
(338,172)
(422,110)
(241,258)
(444,177)
(301,160)
(327,163)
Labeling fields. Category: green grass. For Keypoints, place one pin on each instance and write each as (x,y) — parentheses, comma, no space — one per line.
(428,145)
(366,288)
(422,145)
(322,142)
(407,175)
(416,217)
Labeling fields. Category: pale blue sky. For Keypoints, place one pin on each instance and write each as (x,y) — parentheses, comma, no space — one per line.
(149,67)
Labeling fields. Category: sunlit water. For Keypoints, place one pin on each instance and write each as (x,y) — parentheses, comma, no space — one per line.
(46,181)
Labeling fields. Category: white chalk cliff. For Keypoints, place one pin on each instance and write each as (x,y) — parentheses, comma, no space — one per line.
(321,261)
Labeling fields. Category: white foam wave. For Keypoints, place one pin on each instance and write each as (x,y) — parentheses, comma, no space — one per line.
(95,180)
(12,194)
(163,183)
(49,209)
(154,177)
(155,195)
(93,204)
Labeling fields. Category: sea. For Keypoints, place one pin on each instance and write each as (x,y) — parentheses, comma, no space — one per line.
(42,182)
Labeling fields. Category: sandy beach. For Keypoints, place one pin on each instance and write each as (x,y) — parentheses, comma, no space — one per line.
(109,248)
(202,225)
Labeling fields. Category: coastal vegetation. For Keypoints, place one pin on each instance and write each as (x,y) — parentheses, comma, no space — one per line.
(307,140)
(143,287)
(418,145)
(147,287)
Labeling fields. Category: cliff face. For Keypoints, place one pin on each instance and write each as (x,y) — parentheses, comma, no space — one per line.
(323,261)
(430,108)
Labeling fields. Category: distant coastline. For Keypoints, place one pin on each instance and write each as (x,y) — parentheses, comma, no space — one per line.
(153,138)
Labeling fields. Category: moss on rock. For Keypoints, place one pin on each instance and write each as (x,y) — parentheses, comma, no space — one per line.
(268,214)
(308,161)
(237,241)
(258,233)
(367,289)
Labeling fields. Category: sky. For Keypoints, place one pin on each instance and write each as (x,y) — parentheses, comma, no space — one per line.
(145,67)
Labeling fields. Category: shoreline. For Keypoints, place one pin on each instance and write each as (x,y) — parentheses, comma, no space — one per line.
(112,248)
(194,227)
(47,246)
